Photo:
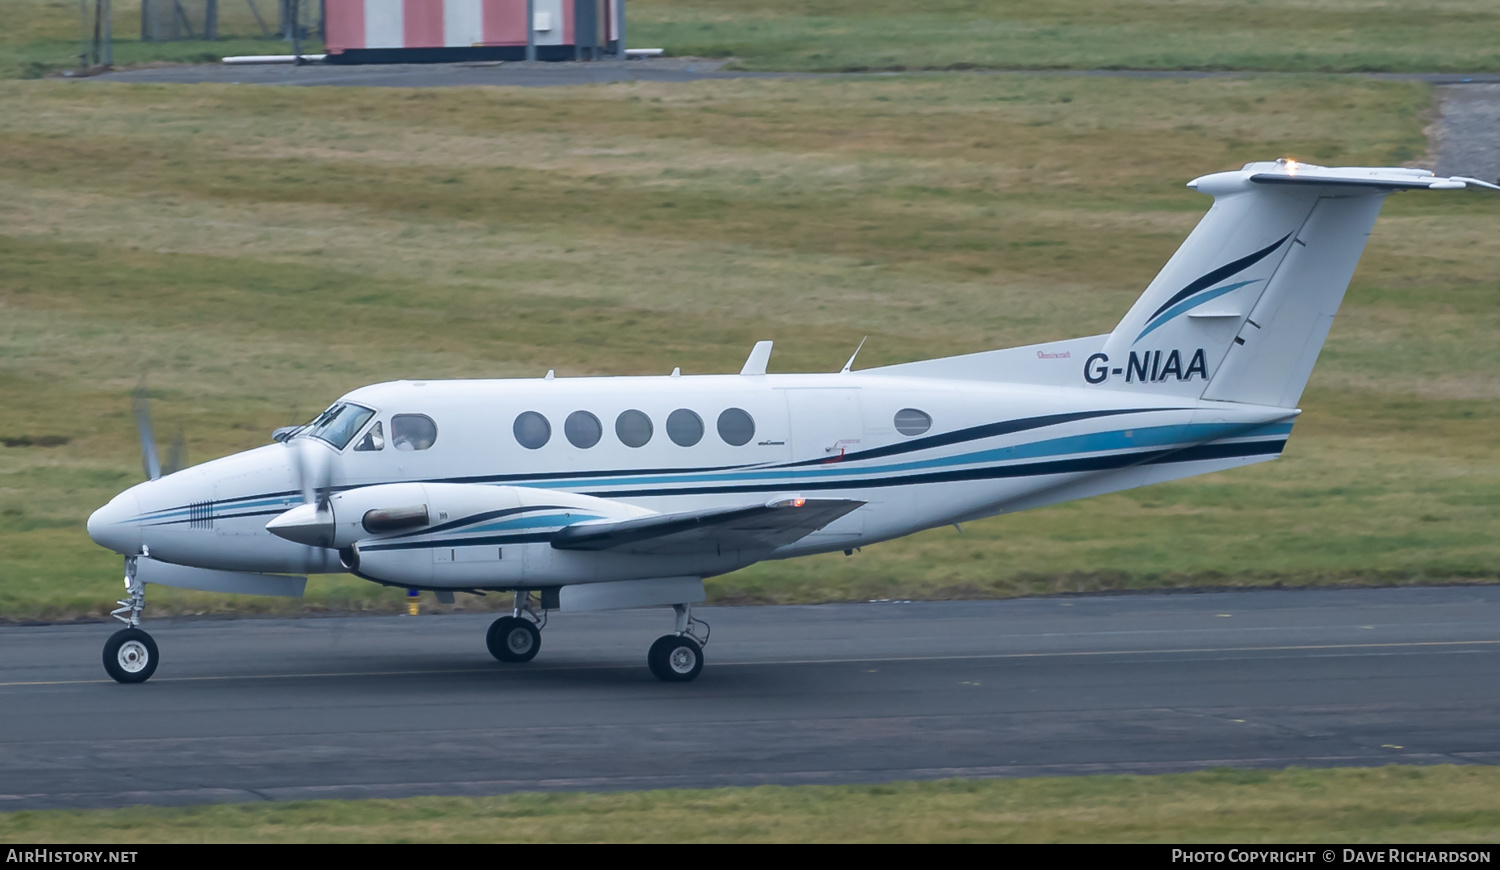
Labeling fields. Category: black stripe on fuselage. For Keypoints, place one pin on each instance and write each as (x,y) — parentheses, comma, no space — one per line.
(974,433)
(1035,469)
(221,517)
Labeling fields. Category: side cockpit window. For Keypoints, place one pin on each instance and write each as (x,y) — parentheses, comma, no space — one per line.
(373,440)
(338,425)
(413,431)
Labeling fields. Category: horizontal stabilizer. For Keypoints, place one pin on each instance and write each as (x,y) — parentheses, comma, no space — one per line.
(1385,178)
(237,582)
(713,530)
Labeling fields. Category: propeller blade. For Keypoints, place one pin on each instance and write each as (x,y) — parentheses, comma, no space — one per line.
(142,409)
(311,467)
(176,454)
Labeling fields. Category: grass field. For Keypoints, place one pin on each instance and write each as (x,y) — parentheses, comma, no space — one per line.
(1447,805)
(257,252)
(41,36)
(1287,35)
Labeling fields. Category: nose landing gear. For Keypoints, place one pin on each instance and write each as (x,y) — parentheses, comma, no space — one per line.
(130,653)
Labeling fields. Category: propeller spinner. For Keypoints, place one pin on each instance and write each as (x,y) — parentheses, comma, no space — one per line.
(310,523)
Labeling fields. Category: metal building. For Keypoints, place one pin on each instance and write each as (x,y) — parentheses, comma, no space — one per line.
(445,31)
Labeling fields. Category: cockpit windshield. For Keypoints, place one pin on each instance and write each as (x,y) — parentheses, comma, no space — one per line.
(338,425)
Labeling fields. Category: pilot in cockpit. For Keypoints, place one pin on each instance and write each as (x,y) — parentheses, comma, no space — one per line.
(413,431)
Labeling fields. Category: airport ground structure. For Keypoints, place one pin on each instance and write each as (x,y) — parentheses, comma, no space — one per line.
(447,31)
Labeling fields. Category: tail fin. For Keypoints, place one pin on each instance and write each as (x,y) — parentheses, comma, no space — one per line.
(1241,310)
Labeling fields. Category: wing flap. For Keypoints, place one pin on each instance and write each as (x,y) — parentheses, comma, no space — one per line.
(751,527)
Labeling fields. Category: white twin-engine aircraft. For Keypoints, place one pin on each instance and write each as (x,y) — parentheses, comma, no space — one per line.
(599,493)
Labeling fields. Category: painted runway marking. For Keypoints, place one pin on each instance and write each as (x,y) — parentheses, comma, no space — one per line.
(859,660)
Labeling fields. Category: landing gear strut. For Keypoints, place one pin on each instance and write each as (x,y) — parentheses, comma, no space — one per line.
(518,637)
(130,654)
(678,658)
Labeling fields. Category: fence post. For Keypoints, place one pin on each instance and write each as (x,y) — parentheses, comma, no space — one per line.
(211,21)
(296,31)
(531,29)
(94,40)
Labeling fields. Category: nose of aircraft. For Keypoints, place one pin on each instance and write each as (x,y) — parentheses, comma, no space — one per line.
(115,525)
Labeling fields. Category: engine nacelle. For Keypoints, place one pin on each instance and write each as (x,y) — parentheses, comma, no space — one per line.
(475,536)
(403,510)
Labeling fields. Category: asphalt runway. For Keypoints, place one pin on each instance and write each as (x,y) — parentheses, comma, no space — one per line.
(394,706)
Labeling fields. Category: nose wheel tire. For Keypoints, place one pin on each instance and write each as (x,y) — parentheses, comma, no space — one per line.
(130,656)
(675,659)
(513,639)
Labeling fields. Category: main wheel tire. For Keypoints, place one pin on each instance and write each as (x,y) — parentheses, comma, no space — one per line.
(512,639)
(130,656)
(675,659)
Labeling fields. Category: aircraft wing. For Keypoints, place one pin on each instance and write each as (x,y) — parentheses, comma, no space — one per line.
(752,527)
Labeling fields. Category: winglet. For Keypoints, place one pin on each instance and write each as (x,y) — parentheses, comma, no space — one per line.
(759,356)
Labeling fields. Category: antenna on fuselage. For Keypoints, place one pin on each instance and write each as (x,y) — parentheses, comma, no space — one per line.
(850,364)
(550,375)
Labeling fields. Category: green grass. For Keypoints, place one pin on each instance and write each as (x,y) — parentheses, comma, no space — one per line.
(257,252)
(1283,35)
(1431,805)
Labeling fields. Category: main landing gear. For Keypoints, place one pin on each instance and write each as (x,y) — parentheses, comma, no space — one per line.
(673,658)
(678,658)
(130,654)
(518,637)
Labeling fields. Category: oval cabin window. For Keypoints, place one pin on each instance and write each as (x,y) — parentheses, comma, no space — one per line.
(582,429)
(532,430)
(736,427)
(684,427)
(910,421)
(633,428)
